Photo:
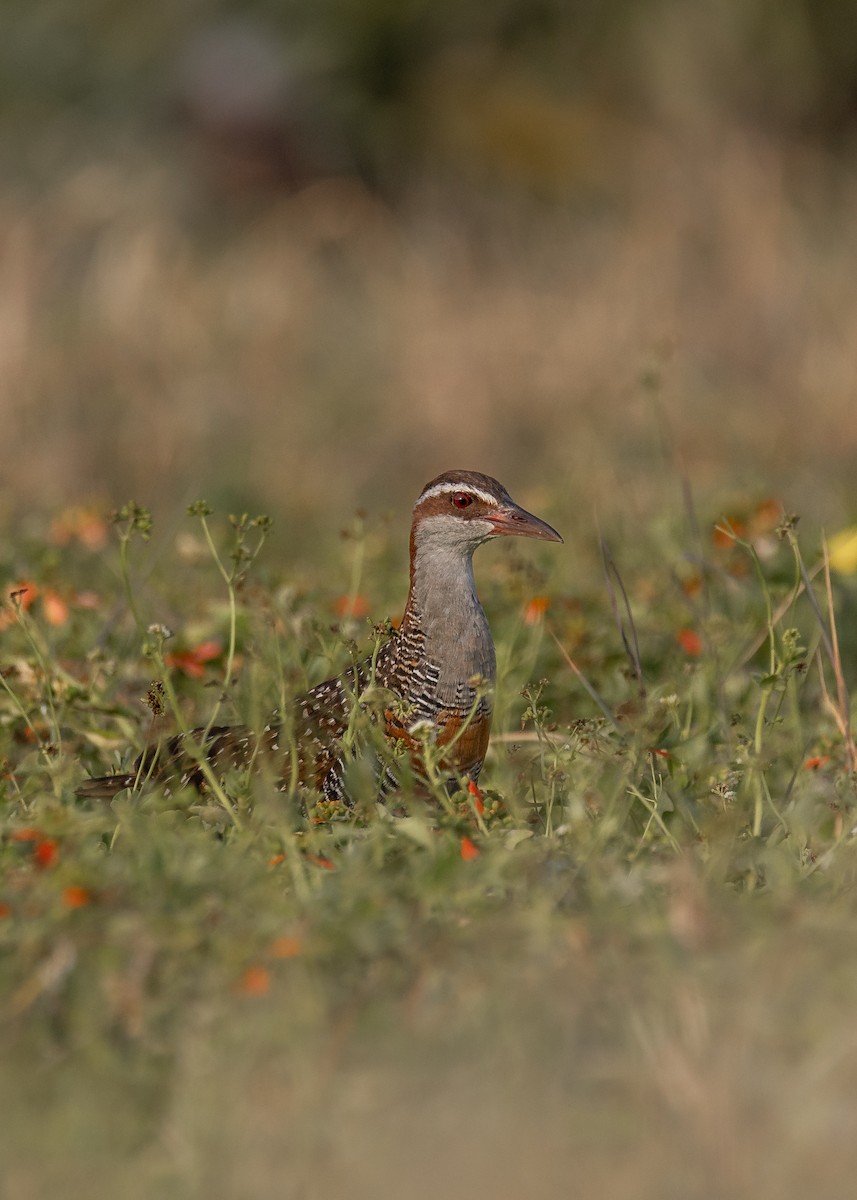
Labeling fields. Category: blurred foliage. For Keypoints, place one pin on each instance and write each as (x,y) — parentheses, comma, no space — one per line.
(380,67)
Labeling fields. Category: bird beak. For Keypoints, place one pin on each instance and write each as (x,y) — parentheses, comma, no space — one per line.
(514,520)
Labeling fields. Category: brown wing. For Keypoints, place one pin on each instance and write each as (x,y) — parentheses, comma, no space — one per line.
(467,736)
(175,762)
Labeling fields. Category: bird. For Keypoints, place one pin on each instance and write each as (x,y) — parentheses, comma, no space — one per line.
(435,674)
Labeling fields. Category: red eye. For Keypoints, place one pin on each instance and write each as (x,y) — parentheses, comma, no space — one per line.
(462,500)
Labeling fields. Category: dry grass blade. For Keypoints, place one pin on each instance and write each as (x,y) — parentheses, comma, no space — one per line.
(783,607)
(587,686)
(840,708)
(528,735)
(810,595)
(843,704)
(629,637)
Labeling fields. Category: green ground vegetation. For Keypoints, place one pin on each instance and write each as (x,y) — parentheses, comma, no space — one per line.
(624,968)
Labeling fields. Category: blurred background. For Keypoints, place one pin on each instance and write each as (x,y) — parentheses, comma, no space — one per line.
(299,257)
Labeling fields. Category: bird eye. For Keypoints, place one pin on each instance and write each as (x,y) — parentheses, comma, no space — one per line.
(462,500)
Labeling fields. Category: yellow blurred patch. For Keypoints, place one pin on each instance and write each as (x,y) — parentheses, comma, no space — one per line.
(842,548)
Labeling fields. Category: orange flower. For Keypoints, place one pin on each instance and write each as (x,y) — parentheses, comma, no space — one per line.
(727,530)
(276,859)
(55,608)
(469,849)
(535,609)
(23,594)
(692,586)
(255,981)
(690,642)
(75,896)
(351,606)
(820,760)
(478,802)
(286,947)
(321,860)
(193,661)
(45,853)
(21,599)
(26,835)
(5,910)
(85,525)
(751,525)
(17,598)
(767,515)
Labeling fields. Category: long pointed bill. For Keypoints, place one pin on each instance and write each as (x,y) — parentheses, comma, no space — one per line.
(514,520)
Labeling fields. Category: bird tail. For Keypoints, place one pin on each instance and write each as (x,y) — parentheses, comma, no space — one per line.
(104,787)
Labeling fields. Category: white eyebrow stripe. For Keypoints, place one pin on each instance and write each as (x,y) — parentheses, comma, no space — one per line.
(443,489)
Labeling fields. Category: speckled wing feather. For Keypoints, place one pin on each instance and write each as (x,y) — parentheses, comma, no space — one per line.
(320,721)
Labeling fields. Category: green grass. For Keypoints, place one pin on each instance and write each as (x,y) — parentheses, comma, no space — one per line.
(642,985)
